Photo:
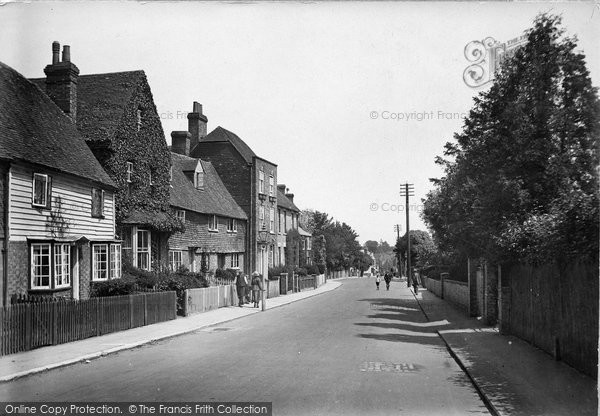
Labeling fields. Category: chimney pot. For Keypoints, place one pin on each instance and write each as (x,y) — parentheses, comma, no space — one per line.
(197,107)
(66,56)
(55,52)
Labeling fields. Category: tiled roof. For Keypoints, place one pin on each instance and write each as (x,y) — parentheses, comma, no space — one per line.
(101,101)
(213,199)
(34,129)
(284,202)
(223,135)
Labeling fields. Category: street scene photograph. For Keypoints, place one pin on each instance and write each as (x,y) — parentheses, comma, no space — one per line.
(299,208)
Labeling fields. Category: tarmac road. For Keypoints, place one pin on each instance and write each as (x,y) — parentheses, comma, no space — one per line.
(352,351)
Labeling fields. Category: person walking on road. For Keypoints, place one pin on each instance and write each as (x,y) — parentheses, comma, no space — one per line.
(388,278)
(415,282)
(241,283)
(256,288)
(377,280)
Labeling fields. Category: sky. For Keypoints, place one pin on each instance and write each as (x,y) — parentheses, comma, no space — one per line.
(349,99)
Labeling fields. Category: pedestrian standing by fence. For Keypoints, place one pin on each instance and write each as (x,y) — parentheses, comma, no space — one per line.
(241,283)
(257,287)
(377,280)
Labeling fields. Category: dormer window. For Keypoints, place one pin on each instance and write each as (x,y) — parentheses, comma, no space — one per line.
(199,180)
(129,171)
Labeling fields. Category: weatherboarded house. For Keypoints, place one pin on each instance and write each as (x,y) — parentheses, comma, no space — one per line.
(116,115)
(58,206)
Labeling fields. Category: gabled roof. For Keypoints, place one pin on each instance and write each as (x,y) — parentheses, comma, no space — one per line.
(213,199)
(101,101)
(284,202)
(223,135)
(34,129)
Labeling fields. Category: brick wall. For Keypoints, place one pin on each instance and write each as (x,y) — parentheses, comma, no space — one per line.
(85,271)
(18,268)
(457,293)
(231,167)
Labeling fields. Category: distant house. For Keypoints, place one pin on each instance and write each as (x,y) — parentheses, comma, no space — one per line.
(215,225)
(251,181)
(116,115)
(57,227)
(293,251)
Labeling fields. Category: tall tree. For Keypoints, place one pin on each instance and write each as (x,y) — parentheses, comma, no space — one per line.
(520,179)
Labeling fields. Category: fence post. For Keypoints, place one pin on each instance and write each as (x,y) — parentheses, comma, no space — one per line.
(28,329)
(131,311)
(54,323)
(145,310)
(315,280)
(98,321)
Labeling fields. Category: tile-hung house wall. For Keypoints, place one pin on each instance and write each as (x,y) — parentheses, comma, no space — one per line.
(215,225)
(252,182)
(116,115)
(58,211)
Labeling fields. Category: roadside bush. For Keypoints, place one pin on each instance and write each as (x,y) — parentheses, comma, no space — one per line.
(275,272)
(228,274)
(301,271)
(312,269)
(116,287)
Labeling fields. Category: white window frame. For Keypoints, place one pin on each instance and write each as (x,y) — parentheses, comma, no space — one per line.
(115,259)
(213,223)
(39,266)
(143,251)
(100,265)
(261,182)
(62,265)
(100,213)
(261,216)
(180,213)
(231,225)
(272,220)
(235,260)
(175,259)
(45,195)
(271,185)
(129,171)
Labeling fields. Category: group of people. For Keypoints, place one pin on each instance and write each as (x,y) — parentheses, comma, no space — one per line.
(388,278)
(245,289)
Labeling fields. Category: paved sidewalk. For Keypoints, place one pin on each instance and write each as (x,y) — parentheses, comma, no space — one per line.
(514,377)
(46,358)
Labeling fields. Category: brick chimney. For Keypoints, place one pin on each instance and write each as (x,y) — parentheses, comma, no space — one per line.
(290,197)
(61,80)
(281,188)
(197,124)
(180,142)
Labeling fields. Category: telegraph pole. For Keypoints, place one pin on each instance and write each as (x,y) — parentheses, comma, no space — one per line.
(407,190)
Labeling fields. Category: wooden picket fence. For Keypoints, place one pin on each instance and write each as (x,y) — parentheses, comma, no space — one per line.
(25,326)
